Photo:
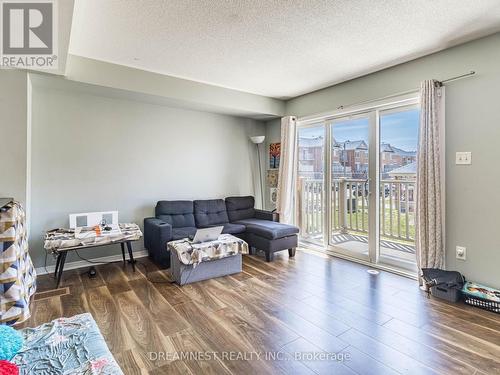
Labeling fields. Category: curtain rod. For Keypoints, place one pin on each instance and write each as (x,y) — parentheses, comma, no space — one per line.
(471,73)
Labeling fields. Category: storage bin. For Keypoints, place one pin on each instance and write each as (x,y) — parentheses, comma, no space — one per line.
(185,274)
(444,284)
(482,296)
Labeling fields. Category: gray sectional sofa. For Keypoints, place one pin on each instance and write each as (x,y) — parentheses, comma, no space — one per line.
(175,220)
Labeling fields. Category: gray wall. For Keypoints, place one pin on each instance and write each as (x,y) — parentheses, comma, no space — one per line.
(472,124)
(13,134)
(95,153)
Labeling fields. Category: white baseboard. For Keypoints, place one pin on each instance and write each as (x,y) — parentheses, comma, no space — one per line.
(83,263)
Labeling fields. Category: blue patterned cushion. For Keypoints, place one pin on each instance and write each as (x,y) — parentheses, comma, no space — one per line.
(66,346)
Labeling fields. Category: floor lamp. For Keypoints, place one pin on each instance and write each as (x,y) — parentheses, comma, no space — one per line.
(257,140)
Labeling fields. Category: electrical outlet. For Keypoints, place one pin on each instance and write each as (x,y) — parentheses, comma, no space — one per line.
(463,158)
(461,252)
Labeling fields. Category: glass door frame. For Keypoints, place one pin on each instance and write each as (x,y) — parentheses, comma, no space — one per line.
(374,108)
(323,198)
(370,115)
(382,258)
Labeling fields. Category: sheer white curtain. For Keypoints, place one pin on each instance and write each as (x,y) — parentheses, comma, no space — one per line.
(285,204)
(430,241)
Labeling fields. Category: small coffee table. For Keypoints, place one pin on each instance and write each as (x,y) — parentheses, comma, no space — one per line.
(60,241)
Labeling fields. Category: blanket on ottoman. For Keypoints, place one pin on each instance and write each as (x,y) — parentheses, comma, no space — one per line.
(190,253)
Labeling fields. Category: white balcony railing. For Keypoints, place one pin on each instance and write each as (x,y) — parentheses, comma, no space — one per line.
(349,207)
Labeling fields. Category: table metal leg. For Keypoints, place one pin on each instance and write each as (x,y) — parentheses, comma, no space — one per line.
(58,261)
(61,267)
(130,255)
(122,245)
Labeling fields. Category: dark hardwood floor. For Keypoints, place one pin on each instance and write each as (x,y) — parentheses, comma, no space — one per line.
(381,324)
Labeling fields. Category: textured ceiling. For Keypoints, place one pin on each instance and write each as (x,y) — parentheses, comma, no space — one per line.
(275,48)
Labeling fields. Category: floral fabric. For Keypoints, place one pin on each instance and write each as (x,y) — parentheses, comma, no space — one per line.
(66,346)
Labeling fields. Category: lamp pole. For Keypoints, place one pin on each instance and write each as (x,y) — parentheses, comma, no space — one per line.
(260,177)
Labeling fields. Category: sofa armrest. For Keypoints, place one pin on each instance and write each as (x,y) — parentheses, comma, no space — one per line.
(156,233)
(266,215)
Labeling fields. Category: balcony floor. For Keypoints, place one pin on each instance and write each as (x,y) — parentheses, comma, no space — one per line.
(342,238)
(359,244)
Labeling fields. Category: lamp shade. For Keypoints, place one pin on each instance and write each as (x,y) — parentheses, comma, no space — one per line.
(258,139)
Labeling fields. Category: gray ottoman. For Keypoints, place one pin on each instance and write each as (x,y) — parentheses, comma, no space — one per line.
(185,274)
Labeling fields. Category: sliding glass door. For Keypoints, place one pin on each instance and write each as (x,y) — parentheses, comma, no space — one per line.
(397,176)
(311,182)
(356,184)
(350,184)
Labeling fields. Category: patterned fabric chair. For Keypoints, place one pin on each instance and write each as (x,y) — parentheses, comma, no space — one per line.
(18,276)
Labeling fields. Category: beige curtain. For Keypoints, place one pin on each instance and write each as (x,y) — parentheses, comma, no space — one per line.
(430,178)
(285,204)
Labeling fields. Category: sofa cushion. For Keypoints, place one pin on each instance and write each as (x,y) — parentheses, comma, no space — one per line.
(180,233)
(178,214)
(268,229)
(239,208)
(231,228)
(210,212)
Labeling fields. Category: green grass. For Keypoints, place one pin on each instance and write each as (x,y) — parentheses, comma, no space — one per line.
(387,224)
(362,217)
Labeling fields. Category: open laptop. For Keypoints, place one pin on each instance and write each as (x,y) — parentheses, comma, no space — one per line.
(207,234)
